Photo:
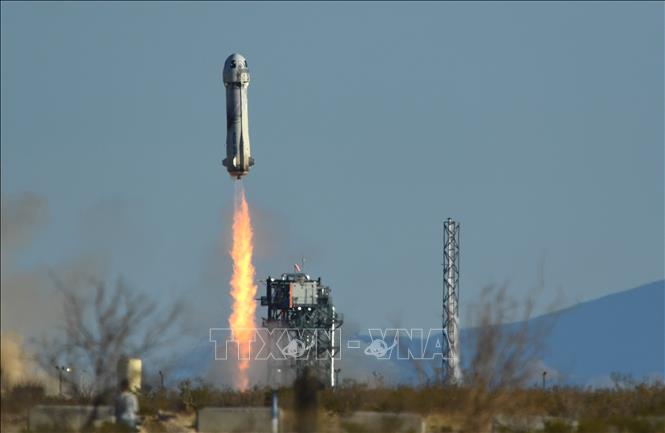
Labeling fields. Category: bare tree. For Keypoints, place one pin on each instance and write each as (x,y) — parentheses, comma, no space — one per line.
(104,325)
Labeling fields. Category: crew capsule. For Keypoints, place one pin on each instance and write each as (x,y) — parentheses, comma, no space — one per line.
(236,81)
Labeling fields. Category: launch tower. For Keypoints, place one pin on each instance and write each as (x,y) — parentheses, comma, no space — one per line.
(304,321)
(451,346)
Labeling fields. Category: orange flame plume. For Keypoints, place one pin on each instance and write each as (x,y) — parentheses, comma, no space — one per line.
(243,286)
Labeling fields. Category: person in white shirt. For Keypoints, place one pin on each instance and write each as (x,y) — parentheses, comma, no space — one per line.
(127,407)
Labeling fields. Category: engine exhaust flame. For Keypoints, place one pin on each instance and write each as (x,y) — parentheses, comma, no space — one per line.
(243,286)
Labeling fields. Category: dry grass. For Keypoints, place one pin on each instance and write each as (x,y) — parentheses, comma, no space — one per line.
(637,409)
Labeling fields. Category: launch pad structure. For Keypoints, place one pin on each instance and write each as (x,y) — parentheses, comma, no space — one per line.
(451,345)
(302,317)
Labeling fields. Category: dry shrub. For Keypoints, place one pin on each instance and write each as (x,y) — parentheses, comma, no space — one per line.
(506,347)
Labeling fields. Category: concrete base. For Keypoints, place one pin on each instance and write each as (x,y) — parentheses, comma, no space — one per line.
(68,418)
(258,420)
(383,422)
(234,420)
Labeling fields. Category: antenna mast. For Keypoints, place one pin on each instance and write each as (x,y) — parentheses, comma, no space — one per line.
(451,347)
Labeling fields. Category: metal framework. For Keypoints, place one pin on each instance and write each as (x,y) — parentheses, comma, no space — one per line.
(451,346)
(303,309)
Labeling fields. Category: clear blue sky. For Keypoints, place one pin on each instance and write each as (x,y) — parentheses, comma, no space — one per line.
(539,126)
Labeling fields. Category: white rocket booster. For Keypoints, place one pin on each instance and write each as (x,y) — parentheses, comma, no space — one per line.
(236,80)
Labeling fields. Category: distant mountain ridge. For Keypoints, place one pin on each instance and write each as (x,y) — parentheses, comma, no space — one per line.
(584,344)
(622,332)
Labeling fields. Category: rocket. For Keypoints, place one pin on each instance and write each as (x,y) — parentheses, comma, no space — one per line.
(236,81)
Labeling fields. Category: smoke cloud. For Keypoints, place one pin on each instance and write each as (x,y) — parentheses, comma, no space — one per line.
(22,215)
(17,365)
(27,294)
(25,303)
(28,310)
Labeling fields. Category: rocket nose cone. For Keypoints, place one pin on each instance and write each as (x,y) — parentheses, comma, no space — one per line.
(233,66)
(239,58)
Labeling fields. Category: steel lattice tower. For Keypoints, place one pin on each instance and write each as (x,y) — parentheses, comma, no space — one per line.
(451,345)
